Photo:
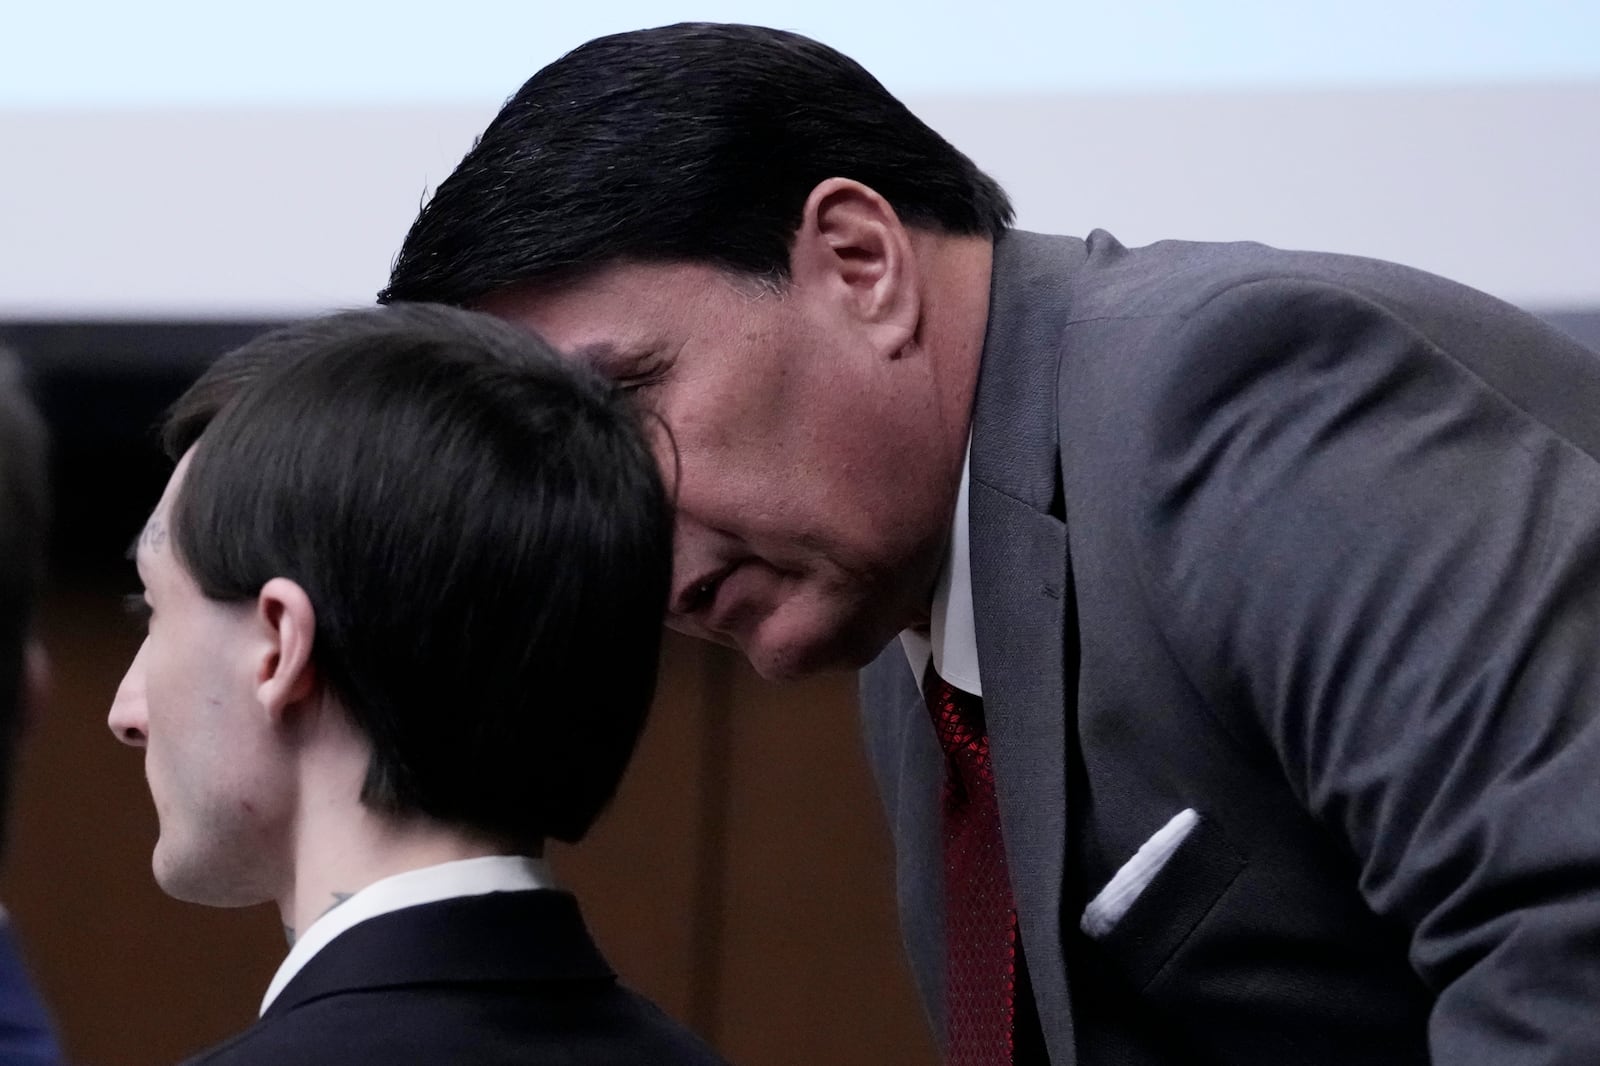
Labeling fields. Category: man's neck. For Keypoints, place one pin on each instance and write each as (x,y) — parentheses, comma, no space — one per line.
(338,845)
(369,846)
(952,328)
(956,280)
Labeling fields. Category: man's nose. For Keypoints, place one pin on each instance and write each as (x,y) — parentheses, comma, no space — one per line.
(128,720)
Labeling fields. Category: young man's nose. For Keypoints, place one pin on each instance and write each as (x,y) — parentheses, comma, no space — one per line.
(127,718)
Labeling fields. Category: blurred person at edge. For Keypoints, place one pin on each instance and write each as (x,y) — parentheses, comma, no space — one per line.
(27,1036)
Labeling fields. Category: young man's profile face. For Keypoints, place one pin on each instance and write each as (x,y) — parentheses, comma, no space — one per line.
(220,790)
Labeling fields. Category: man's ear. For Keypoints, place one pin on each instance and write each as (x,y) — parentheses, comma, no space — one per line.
(285,675)
(852,246)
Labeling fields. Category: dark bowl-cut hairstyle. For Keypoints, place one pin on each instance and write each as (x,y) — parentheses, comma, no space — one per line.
(24,507)
(482,533)
(698,142)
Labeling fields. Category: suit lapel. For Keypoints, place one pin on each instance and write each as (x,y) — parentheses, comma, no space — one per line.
(1022,593)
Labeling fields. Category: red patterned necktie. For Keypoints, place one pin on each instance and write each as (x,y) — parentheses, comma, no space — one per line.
(981,953)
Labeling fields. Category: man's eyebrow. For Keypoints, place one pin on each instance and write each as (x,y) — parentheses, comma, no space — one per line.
(594,350)
(609,356)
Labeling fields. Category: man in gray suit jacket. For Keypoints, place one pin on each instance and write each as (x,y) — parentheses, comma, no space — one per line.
(1228,613)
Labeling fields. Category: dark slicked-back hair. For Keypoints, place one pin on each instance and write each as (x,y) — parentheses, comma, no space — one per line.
(23,512)
(691,143)
(482,532)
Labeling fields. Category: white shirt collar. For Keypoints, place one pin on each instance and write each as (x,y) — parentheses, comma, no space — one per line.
(430,884)
(952,637)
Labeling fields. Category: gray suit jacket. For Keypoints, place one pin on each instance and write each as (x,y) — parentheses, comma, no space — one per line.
(1309,544)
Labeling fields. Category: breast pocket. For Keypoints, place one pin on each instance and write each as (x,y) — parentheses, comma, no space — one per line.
(1154,903)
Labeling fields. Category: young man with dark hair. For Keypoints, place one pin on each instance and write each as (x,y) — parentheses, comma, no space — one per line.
(1243,707)
(27,1037)
(404,592)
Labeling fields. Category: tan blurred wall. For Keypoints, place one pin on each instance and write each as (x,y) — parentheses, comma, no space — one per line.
(742,879)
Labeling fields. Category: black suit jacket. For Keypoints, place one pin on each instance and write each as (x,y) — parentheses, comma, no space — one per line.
(1309,544)
(494,980)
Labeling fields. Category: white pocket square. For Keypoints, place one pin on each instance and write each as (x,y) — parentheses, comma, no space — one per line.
(1107,908)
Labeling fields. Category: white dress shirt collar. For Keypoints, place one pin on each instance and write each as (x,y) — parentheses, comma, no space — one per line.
(952,637)
(430,884)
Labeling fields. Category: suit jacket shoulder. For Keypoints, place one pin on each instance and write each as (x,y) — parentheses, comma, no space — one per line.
(500,979)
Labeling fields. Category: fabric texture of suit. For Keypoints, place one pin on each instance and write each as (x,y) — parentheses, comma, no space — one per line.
(1309,544)
(492,980)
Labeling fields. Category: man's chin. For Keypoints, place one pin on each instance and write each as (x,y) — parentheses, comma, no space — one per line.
(789,656)
(191,882)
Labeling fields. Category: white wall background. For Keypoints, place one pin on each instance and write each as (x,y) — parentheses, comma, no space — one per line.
(203,160)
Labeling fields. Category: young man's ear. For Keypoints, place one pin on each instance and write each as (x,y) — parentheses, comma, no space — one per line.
(285,674)
(853,246)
